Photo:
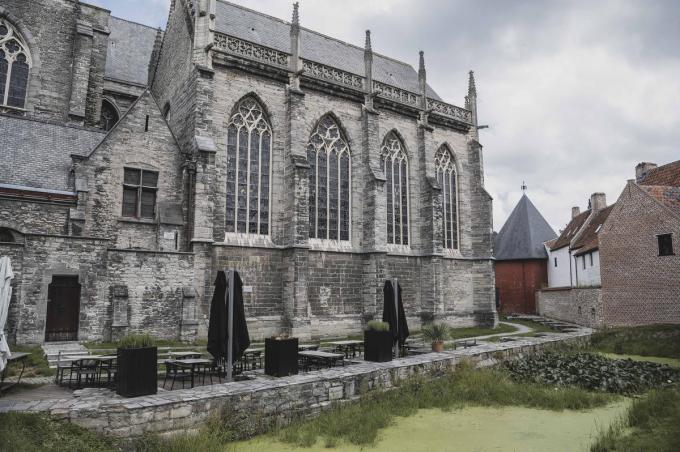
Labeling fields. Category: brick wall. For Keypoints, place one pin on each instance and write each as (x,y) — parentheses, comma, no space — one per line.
(639,286)
(581,306)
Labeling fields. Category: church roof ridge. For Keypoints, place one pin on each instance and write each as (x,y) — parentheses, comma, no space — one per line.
(302,27)
(136,23)
(276,40)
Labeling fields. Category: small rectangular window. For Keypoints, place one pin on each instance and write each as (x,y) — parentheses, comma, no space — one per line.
(584,261)
(139,193)
(591,259)
(665,244)
(555,262)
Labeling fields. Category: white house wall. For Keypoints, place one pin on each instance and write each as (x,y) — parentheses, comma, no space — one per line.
(590,275)
(560,275)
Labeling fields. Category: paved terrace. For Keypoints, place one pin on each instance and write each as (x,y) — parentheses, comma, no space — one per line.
(270,400)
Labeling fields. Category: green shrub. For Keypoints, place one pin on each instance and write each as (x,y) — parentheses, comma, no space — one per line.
(436,332)
(137,341)
(377,325)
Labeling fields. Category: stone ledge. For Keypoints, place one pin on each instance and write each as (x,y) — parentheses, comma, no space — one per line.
(278,400)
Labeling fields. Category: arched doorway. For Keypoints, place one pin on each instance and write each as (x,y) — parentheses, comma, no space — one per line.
(63,309)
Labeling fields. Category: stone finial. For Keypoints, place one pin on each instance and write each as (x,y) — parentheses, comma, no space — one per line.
(368,65)
(296,15)
(367,44)
(472,89)
(421,65)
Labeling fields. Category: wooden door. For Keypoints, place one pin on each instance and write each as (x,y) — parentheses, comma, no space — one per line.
(63,309)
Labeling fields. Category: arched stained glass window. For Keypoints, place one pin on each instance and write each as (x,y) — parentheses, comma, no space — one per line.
(249,144)
(15,64)
(109,115)
(329,182)
(446,175)
(395,165)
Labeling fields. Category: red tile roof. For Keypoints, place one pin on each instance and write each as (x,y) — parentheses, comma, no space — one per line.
(665,175)
(668,196)
(570,231)
(588,240)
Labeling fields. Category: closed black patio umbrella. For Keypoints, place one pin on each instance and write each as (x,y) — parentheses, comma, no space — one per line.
(218,326)
(394,315)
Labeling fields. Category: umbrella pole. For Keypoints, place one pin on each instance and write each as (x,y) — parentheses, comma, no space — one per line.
(230,327)
(395,285)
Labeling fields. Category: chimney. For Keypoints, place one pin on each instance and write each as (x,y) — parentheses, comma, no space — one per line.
(598,201)
(575,211)
(642,169)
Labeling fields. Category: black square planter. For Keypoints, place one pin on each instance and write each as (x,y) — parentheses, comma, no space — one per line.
(137,373)
(377,346)
(281,357)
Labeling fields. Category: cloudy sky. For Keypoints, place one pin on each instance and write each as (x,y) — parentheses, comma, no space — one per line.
(575,93)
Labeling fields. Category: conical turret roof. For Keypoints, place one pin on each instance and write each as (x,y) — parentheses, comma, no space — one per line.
(523,234)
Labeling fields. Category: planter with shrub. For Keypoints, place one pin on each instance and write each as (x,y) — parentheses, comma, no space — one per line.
(137,366)
(378,342)
(436,333)
(281,356)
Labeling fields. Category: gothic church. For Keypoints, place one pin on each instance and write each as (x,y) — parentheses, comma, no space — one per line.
(135,163)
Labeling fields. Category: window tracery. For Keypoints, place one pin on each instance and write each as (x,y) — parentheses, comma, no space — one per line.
(249,144)
(15,64)
(445,165)
(395,165)
(329,161)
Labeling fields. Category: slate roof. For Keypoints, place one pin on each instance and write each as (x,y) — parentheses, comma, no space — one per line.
(523,234)
(129,51)
(668,196)
(36,153)
(570,231)
(240,22)
(665,175)
(588,240)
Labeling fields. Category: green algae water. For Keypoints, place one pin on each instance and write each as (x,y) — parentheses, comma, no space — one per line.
(477,429)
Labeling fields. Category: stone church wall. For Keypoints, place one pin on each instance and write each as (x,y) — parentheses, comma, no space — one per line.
(32,217)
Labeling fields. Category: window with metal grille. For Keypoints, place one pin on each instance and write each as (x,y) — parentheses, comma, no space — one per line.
(445,165)
(330,176)
(665,244)
(15,64)
(395,165)
(249,144)
(139,193)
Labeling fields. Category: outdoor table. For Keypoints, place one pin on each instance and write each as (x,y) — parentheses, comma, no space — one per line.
(250,355)
(15,357)
(184,355)
(347,346)
(326,358)
(193,363)
(303,347)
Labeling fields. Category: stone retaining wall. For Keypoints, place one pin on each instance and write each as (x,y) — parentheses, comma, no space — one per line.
(264,402)
(578,305)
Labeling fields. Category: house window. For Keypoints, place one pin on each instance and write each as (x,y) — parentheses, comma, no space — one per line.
(591,258)
(445,167)
(584,261)
(249,144)
(330,176)
(6,235)
(555,262)
(139,193)
(665,244)
(15,64)
(395,165)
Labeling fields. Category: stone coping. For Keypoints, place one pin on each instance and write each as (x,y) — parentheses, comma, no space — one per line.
(306,394)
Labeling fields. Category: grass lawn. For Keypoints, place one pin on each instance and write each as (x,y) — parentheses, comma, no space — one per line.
(461,333)
(651,424)
(28,432)
(36,364)
(654,340)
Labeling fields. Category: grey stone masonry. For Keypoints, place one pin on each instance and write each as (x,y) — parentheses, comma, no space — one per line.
(265,402)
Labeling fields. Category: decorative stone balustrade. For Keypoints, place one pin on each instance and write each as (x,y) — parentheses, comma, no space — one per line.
(250,50)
